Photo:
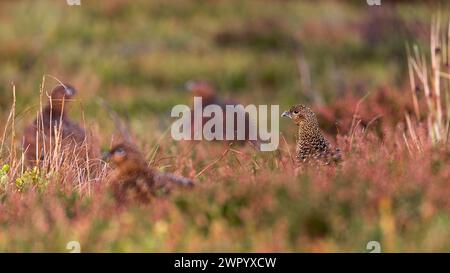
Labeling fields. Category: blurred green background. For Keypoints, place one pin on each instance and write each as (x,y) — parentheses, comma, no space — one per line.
(262,51)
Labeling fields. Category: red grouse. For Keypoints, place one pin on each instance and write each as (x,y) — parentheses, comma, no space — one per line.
(133,180)
(53,133)
(311,144)
(207,92)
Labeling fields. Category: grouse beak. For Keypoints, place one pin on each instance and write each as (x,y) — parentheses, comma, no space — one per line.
(106,156)
(286,114)
(69,90)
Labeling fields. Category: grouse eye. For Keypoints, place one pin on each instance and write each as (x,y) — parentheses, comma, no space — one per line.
(119,152)
(296,112)
(69,91)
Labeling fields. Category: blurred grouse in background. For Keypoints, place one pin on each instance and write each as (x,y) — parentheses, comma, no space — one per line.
(208,93)
(311,144)
(132,179)
(53,132)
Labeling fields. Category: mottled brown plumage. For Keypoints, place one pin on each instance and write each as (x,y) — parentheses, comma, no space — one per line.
(54,126)
(311,144)
(133,180)
(208,93)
